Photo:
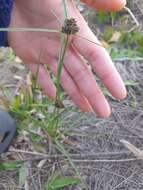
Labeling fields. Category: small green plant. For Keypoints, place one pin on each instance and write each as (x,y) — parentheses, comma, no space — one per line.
(33,113)
(27,108)
(56,182)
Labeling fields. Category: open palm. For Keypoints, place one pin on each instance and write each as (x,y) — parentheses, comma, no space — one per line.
(77,79)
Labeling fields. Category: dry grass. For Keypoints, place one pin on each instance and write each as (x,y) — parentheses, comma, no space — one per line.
(93,144)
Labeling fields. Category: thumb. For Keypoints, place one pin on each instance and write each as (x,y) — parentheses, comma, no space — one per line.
(106,5)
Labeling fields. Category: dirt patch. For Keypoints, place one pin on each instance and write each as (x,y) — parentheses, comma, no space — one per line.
(11,70)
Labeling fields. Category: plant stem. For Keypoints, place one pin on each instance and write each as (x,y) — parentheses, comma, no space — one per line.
(61,62)
(65,9)
(12,29)
(64,45)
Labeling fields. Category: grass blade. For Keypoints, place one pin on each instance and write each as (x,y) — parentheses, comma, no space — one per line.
(13,29)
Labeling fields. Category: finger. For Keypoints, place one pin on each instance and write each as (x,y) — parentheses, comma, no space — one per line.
(100,60)
(43,79)
(67,82)
(70,87)
(106,5)
(86,83)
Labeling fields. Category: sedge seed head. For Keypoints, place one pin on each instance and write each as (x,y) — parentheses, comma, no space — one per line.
(70,26)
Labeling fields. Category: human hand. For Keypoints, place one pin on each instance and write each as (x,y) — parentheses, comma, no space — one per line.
(76,78)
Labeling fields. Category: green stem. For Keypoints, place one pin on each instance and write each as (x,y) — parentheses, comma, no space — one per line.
(65,9)
(61,148)
(28,30)
(60,64)
(64,45)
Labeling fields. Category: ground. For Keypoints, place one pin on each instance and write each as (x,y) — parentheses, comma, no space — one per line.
(95,147)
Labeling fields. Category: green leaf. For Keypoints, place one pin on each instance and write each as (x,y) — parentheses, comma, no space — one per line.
(130,83)
(102,17)
(108,32)
(106,92)
(124,53)
(23,174)
(57,182)
(126,82)
(17,102)
(63,182)
(10,165)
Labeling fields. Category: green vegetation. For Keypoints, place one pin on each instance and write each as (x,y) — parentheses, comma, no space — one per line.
(33,110)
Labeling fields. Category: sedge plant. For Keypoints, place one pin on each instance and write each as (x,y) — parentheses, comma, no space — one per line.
(25,104)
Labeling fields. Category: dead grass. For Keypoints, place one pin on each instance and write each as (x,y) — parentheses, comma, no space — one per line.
(93,144)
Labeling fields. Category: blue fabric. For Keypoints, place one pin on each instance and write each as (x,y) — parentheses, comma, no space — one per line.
(5,15)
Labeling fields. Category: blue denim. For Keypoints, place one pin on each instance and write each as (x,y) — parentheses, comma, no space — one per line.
(5,15)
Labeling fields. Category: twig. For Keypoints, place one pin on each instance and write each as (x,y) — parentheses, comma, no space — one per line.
(136,151)
(124,181)
(42,156)
(134,19)
(132,15)
(29,152)
(128,59)
(98,154)
(107,161)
